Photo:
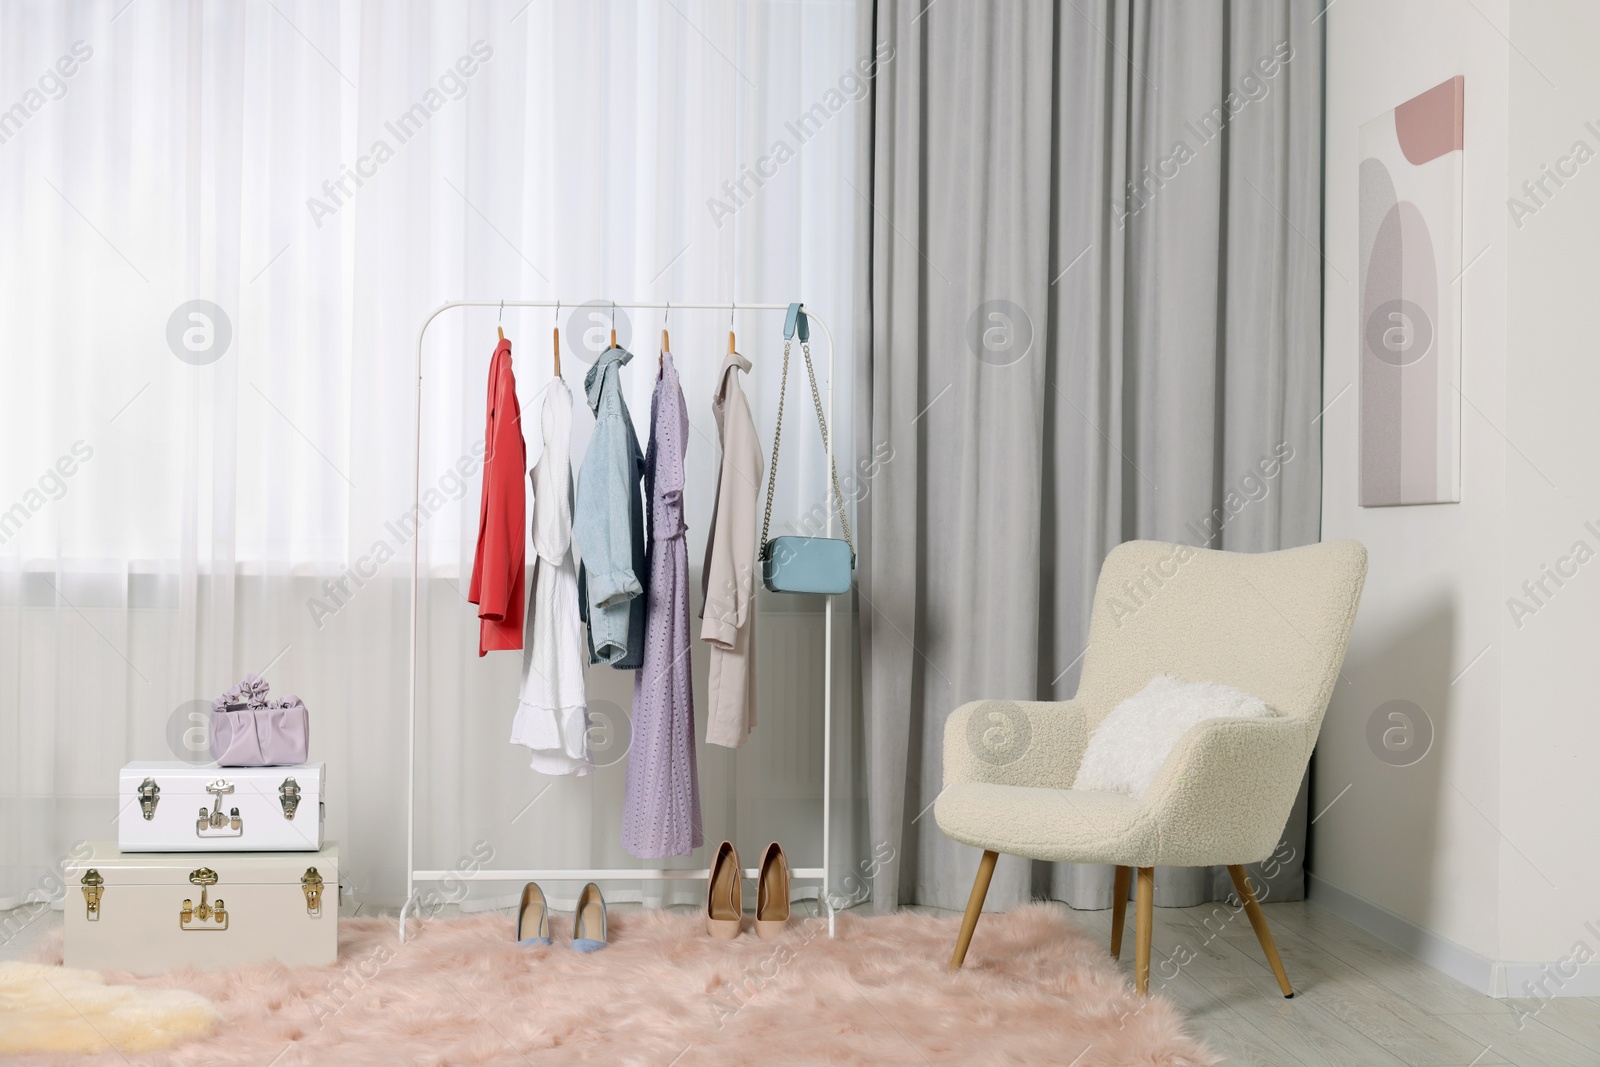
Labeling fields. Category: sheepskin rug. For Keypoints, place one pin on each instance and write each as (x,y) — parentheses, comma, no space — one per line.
(61,1009)
(1035,990)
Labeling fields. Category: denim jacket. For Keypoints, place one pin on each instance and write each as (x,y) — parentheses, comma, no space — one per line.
(608,523)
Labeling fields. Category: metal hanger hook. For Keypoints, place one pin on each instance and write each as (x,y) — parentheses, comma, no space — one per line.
(502,317)
(665,313)
(558,311)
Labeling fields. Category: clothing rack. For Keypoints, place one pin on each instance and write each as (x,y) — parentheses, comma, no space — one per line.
(413,874)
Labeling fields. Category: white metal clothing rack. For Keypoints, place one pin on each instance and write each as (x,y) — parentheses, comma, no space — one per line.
(413,874)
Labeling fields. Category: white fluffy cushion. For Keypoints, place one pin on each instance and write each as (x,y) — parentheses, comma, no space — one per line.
(1126,751)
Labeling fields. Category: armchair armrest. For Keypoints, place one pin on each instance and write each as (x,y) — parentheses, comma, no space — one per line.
(1015,742)
(1225,792)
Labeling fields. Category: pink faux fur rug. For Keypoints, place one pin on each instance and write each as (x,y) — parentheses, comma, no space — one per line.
(1035,990)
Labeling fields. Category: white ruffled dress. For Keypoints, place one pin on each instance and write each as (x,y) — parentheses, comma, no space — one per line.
(551,717)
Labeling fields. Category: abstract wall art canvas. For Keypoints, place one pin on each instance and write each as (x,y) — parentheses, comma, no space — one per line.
(1411,250)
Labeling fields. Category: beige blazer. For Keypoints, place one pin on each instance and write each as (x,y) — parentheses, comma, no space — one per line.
(728,620)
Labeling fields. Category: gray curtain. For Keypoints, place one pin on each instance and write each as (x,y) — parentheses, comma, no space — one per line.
(1091,234)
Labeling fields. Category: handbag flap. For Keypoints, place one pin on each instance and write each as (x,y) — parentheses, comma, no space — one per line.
(807,565)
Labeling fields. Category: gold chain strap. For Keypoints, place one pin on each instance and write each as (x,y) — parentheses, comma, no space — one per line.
(772,468)
(777,434)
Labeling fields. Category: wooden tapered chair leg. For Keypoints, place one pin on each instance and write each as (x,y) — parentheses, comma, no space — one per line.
(1144,904)
(1119,909)
(969,922)
(1258,920)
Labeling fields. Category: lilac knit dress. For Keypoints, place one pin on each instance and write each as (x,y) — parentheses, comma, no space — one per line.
(661,810)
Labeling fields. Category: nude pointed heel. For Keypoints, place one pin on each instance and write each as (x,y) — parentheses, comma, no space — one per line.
(772,894)
(533,917)
(725,894)
(590,927)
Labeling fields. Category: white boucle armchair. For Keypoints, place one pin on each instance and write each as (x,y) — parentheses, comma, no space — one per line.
(1275,624)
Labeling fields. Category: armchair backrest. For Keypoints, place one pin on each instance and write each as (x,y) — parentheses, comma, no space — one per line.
(1275,624)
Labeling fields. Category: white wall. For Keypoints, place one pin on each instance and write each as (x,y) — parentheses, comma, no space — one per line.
(1473,857)
(1549,727)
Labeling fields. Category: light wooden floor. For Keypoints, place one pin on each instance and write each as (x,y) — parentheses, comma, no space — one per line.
(1358,1002)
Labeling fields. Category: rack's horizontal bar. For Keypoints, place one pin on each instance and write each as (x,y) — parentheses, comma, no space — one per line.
(634,304)
(624,874)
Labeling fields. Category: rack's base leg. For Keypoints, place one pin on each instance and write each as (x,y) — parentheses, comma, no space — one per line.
(404,908)
(829,904)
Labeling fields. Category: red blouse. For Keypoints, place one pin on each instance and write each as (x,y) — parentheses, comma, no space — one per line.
(498,568)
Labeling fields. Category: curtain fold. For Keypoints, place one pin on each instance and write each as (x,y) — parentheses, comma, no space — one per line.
(1092,314)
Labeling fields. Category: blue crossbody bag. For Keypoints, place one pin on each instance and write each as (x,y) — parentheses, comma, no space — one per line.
(795,564)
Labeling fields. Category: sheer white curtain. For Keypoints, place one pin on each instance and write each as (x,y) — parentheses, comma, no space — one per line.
(192,491)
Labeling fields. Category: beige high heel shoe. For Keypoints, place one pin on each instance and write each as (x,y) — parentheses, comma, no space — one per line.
(772,893)
(533,917)
(590,927)
(724,894)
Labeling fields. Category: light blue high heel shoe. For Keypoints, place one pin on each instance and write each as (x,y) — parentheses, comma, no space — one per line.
(533,915)
(589,922)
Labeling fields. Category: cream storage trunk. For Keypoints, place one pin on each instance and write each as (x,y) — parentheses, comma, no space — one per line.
(148,912)
(182,807)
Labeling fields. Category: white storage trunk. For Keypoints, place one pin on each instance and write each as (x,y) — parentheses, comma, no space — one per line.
(181,807)
(148,912)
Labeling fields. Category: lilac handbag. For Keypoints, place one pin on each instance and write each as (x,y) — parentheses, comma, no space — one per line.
(249,729)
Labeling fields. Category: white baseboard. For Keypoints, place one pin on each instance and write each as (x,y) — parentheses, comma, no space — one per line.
(1544,980)
(1495,978)
(1462,964)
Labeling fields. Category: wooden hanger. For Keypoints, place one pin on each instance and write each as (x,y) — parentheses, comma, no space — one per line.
(730,329)
(666,342)
(498,328)
(613,324)
(555,339)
